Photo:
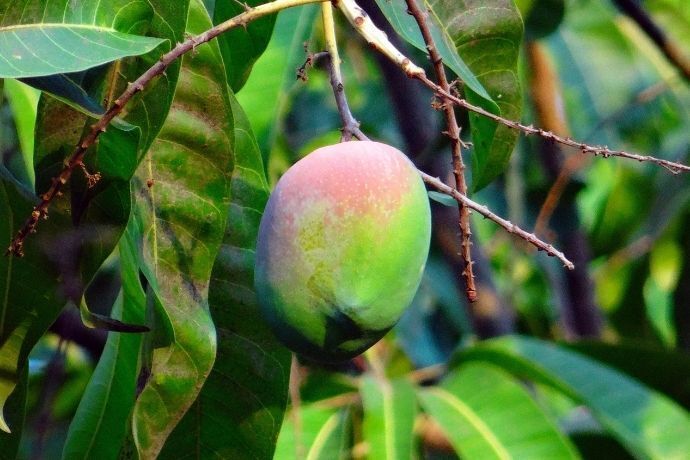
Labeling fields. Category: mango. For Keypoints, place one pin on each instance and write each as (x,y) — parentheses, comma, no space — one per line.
(341,248)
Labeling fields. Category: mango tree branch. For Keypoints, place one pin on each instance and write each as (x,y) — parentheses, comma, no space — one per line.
(438,185)
(40,211)
(350,125)
(371,34)
(595,150)
(453,132)
(507,225)
(375,37)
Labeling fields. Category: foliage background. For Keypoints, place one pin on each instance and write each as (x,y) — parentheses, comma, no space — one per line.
(603,349)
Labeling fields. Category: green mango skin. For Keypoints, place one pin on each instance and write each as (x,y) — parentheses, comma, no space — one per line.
(341,249)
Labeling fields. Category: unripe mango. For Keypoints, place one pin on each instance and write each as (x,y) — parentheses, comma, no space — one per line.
(341,249)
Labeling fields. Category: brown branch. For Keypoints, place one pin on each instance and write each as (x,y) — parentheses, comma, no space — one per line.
(453,132)
(40,211)
(378,41)
(595,150)
(438,185)
(506,224)
(350,126)
(668,47)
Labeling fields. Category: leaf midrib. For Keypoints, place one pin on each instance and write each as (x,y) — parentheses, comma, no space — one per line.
(327,429)
(6,295)
(389,414)
(475,421)
(58,25)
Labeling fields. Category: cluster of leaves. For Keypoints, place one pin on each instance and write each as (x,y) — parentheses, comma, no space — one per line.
(166,240)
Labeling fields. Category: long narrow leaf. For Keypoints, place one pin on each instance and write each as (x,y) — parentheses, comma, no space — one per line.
(268,88)
(480,41)
(403,23)
(242,46)
(14,412)
(182,195)
(23,102)
(488,35)
(33,50)
(646,422)
(100,423)
(316,433)
(83,225)
(486,414)
(29,301)
(390,408)
(250,364)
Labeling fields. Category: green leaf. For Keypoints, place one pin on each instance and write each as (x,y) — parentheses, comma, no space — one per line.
(442,198)
(333,440)
(542,17)
(66,88)
(486,414)
(646,422)
(242,46)
(34,50)
(480,41)
(673,17)
(269,86)
(666,371)
(665,263)
(84,225)
(250,363)
(390,408)
(29,301)
(183,190)
(96,321)
(405,25)
(23,101)
(99,426)
(15,412)
(316,433)
(488,35)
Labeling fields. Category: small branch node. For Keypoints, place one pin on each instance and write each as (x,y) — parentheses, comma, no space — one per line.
(91,179)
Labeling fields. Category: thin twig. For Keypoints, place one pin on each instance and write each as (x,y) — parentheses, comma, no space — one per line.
(375,37)
(453,132)
(438,185)
(595,150)
(350,125)
(506,224)
(371,34)
(40,211)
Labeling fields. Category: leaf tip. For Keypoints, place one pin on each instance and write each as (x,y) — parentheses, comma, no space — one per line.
(3,424)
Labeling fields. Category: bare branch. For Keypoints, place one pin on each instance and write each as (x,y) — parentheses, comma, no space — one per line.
(40,211)
(453,132)
(375,37)
(595,150)
(370,33)
(350,125)
(506,224)
(438,185)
